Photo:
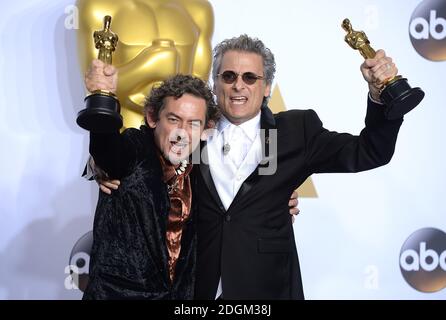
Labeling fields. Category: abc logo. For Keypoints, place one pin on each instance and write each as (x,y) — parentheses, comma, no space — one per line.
(427,29)
(423,260)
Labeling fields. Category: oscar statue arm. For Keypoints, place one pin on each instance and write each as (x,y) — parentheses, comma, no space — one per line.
(202,14)
(145,67)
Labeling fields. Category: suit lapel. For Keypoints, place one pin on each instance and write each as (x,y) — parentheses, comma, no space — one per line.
(206,175)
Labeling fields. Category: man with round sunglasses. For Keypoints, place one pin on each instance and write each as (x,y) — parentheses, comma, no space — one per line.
(246,245)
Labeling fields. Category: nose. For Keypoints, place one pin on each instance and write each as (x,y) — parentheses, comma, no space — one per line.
(238,83)
(182,131)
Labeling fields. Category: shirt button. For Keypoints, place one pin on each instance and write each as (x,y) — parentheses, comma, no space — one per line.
(227,218)
(239,177)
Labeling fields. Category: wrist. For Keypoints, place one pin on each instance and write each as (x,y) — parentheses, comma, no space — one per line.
(375,93)
(374,98)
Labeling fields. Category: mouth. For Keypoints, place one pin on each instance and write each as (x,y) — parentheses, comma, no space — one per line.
(178,146)
(238,100)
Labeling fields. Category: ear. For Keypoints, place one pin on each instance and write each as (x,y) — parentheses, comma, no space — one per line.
(151,120)
(267,92)
(214,87)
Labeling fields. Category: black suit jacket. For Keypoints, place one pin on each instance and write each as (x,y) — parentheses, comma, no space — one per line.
(251,245)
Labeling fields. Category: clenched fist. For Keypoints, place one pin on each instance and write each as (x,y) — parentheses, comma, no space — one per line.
(101,76)
(377,71)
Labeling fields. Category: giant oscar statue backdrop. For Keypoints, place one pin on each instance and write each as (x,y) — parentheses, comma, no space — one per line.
(157,39)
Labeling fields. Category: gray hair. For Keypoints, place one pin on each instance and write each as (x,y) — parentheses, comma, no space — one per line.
(245,43)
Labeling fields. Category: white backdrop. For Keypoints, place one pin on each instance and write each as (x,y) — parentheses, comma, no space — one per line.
(349,238)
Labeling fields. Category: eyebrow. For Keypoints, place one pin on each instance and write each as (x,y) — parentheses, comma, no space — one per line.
(169,114)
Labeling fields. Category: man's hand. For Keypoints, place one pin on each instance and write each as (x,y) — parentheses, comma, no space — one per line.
(101,177)
(101,76)
(107,186)
(294,210)
(377,71)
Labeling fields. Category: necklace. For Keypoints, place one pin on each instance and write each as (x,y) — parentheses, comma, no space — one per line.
(172,187)
(180,170)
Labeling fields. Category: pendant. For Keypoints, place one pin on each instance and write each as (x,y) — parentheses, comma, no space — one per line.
(226,148)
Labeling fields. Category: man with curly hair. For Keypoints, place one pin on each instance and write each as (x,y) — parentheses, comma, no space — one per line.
(144,243)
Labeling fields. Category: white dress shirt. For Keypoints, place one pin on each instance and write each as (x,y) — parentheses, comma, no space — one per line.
(234,152)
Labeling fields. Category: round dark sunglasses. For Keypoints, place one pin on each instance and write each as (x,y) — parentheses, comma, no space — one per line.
(230,77)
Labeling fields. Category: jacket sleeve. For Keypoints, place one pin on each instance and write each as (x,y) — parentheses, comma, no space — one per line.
(329,151)
(115,153)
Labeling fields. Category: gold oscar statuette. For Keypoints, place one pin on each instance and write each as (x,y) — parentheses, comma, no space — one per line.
(102,108)
(396,92)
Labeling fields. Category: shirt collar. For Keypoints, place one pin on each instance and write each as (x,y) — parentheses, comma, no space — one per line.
(169,169)
(250,127)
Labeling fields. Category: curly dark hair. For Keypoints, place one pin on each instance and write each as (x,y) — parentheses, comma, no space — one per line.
(176,86)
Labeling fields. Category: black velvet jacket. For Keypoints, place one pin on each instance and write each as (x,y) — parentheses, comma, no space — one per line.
(129,258)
